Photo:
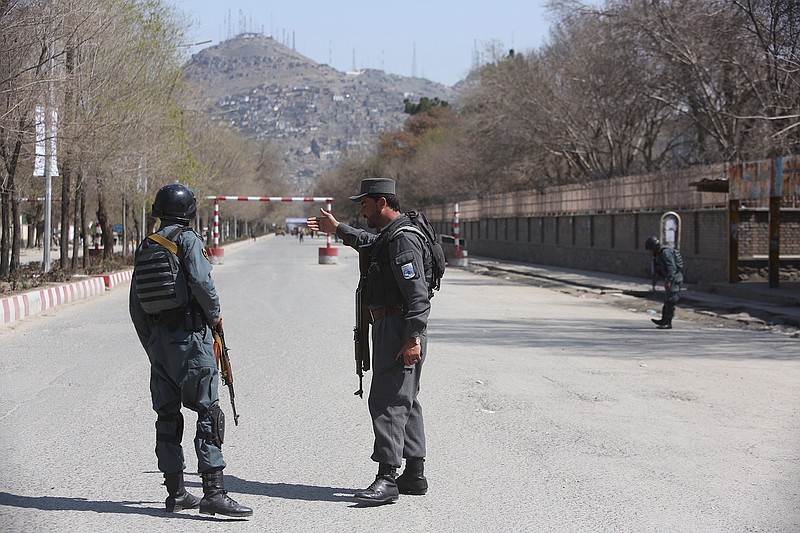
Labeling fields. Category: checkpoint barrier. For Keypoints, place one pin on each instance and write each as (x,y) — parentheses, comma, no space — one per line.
(456,253)
(216,256)
(327,255)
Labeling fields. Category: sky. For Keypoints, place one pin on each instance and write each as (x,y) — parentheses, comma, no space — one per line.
(435,39)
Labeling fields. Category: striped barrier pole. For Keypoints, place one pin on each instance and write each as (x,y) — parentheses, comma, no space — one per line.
(98,232)
(327,256)
(459,256)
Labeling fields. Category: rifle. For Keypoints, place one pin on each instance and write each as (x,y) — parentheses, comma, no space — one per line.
(361,329)
(224,365)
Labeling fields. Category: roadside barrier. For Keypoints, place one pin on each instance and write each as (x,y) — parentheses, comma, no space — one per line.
(17,307)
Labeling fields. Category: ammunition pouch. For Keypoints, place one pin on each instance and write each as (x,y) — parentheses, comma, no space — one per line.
(193,318)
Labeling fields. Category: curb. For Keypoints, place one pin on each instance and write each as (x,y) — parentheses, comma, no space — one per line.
(21,306)
(117,278)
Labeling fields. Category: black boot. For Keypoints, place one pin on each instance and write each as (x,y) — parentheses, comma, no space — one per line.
(216,500)
(667,312)
(383,489)
(412,480)
(178,498)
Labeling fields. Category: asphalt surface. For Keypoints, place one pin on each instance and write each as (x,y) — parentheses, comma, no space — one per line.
(550,406)
(751,305)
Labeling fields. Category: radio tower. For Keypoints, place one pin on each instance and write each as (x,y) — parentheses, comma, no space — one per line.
(414,61)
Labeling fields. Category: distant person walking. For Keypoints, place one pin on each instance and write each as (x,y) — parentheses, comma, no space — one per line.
(666,267)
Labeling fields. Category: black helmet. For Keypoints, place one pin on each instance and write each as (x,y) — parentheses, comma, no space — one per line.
(175,202)
(652,243)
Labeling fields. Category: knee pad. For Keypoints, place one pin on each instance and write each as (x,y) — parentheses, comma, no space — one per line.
(174,438)
(217,419)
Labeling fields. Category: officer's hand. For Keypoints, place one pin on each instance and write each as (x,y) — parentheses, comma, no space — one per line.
(326,223)
(410,353)
(218,323)
(668,287)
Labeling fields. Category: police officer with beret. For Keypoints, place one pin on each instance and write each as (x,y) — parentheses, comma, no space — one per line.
(180,347)
(399,301)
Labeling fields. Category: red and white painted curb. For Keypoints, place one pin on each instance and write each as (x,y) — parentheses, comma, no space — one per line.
(117,278)
(21,306)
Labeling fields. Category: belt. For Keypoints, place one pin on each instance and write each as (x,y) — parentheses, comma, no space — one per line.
(387,310)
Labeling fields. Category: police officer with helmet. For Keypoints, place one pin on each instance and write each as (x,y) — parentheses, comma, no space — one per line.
(398,297)
(665,267)
(179,344)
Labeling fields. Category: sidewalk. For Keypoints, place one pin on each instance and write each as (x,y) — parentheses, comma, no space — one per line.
(735,301)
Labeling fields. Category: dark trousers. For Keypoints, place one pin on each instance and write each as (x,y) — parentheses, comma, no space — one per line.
(670,300)
(183,371)
(393,405)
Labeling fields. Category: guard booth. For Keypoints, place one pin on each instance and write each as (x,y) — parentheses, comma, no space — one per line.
(670,230)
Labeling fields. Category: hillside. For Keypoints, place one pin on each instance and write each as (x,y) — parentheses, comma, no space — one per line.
(316,114)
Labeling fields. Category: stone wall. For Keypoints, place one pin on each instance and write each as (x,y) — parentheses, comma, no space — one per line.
(602,226)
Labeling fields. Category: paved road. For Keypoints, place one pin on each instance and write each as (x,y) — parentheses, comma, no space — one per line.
(545,412)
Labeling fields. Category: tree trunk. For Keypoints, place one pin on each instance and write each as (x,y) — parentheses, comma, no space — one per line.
(15,234)
(84,238)
(5,249)
(106,236)
(66,170)
(78,232)
(9,261)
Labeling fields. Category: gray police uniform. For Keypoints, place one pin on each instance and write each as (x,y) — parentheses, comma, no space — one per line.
(665,267)
(182,364)
(397,293)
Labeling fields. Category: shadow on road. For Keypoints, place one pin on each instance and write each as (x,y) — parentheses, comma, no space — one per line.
(608,338)
(287,491)
(57,503)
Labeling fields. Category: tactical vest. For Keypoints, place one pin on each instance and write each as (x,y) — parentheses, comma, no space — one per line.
(158,275)
(382,288)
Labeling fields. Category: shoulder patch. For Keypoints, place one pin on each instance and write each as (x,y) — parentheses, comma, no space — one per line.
(205,254)
(408,271)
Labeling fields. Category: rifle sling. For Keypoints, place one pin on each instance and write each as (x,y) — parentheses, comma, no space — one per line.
(166,243)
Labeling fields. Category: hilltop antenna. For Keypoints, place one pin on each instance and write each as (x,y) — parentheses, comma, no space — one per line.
(354,59)
(414,61)
(293,43)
